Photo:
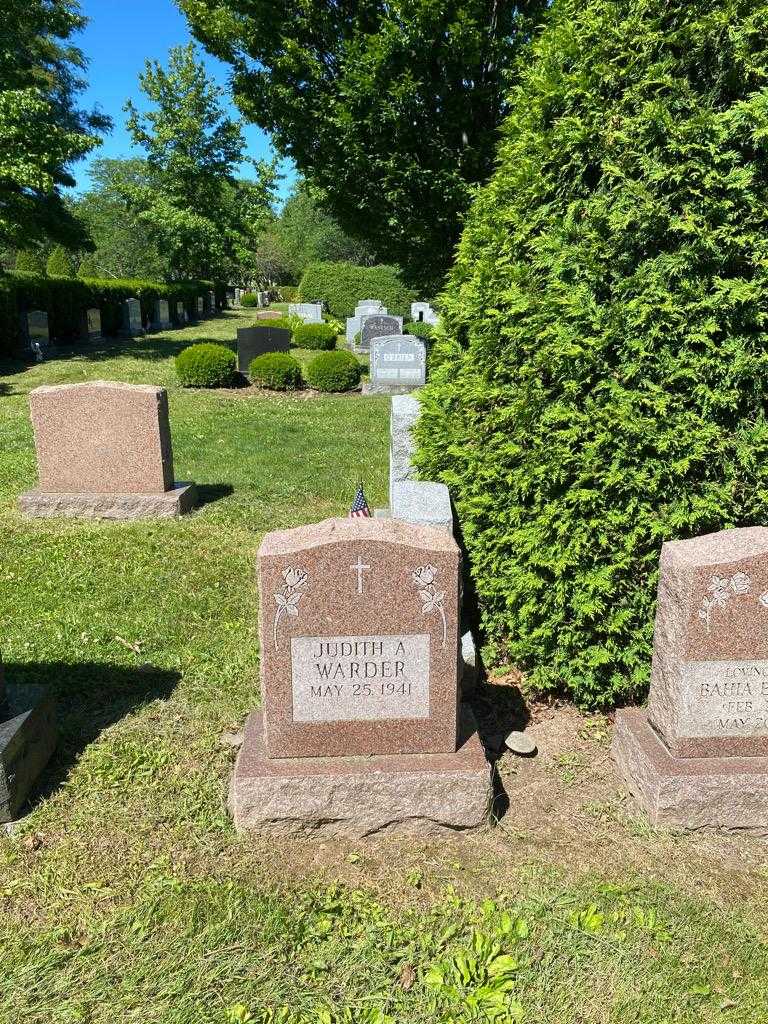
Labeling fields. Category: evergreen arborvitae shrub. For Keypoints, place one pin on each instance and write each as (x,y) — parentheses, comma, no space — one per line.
(88,268)
(59,263)
(419,329)
(205,366)
(603,352)
(342,285)
(276,370)
(334,371)
(314,336)
(29,261)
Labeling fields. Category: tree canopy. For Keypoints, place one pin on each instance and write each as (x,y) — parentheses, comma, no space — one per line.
(392,110)
(42,131)
(198,213)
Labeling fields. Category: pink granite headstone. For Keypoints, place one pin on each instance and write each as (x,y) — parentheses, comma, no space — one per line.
(102,437)
(359,639)
(709,678)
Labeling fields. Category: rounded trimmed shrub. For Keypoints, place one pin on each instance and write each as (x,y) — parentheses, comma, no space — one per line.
(206,366)
(249,300)
(315,336)
(276,370)
(603,345)
(334,371)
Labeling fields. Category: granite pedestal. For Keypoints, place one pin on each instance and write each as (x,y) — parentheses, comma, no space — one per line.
(177,501)
(400,794)
(27,740)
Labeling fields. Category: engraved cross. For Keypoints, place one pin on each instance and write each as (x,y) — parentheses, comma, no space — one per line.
(359,569)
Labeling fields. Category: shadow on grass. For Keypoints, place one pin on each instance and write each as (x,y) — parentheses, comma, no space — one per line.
(207,494)
(91,696)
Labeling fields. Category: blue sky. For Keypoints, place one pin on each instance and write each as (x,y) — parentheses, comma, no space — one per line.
(121,35)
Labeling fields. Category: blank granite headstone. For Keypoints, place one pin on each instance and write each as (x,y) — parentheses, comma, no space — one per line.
(104,451)
(361,731)
(699,755)
(255,341)
(379,325)
(404,413)
(27,740)
(398,365)
(181,313)
(200,305)
(132,323)
(212,303)
(91,325)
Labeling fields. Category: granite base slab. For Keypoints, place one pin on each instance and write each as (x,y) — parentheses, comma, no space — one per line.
(689,792)
(27,740)
(390,389)
(394,794)
(165,505)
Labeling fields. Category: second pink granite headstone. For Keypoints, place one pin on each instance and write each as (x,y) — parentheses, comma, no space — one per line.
(102,437)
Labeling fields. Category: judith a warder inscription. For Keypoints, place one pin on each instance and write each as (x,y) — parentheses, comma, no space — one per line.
(357,678)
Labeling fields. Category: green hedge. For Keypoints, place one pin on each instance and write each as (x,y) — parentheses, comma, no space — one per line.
(66,300)
(343,285)
(288,292)
(603,337)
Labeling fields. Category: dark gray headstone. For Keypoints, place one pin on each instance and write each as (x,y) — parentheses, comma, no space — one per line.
(162,315)
(379,326)
(181,313)
(91,325)
(398,363)
(35,327)
(132,317)
(200,305)
(255,341)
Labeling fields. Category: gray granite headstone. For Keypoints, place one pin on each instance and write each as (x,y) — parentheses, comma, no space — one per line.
(422,503)
(404,414)
(132,317)
(398,364)
(255,341)
(379,326)
(212,303)
(161,317)
(422,312)
(200,305)
(310,312)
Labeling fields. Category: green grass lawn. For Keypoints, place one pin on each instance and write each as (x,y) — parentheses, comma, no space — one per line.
(126,895)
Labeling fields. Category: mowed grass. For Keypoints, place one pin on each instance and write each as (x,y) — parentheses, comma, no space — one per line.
(126,895)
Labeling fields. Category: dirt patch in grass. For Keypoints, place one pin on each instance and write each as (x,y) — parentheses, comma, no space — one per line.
(568,814)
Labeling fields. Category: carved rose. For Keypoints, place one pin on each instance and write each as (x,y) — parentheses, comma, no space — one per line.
(740,583)
(294,578)
(287,600)
(424,575)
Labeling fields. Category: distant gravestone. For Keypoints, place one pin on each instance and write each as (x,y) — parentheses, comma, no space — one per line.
(104,451)
(91,325)
(212,303)
(361,730)
(268,314)
(161,319)
(132,317)
(378,326)
(181,313)
(255,341)
(200,305)
(698,756)
(35,328)
(310,312)
(422,312)
(398,365)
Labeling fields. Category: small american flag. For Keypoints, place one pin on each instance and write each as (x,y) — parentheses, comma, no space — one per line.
(360,505)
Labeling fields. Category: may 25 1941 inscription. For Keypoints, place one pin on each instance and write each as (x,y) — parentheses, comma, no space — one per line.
(359,678)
